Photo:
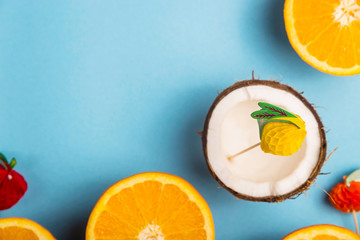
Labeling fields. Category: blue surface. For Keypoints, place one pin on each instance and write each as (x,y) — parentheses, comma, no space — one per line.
(94,91)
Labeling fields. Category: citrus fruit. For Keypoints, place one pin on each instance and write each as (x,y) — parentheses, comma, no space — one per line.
(22,229)
(322,232)
(325,33)
(281,138)
(156,206)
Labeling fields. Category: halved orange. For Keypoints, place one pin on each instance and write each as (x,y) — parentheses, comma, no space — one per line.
(325,33)
(322,232)
(22,229)
(156,206)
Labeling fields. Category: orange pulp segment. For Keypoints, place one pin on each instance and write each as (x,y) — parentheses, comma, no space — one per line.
(322,232)
(325,33)
(22,229)
(152,205)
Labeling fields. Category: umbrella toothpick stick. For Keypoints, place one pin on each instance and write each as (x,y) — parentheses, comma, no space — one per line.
(243,151)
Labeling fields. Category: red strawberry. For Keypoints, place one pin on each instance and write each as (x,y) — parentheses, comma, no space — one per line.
(12,185)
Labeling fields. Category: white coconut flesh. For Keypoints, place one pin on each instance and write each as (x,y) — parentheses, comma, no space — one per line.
(255,173)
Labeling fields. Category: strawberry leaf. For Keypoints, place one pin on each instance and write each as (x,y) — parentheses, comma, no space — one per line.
(3,158)
(12,163)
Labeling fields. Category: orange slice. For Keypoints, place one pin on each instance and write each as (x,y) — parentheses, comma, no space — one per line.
(22,229)
(156,206)
(325,33)
(323,232)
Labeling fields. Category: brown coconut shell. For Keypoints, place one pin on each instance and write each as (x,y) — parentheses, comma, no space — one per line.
(277,85)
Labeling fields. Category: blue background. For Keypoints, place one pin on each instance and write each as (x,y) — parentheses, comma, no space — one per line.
(94,91)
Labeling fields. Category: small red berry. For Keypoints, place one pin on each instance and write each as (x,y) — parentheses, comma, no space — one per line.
(12,185)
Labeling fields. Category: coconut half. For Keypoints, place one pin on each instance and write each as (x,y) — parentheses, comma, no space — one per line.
(255,175)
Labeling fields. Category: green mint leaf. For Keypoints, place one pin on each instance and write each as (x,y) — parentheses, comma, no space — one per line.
(263,114)
(275,109)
